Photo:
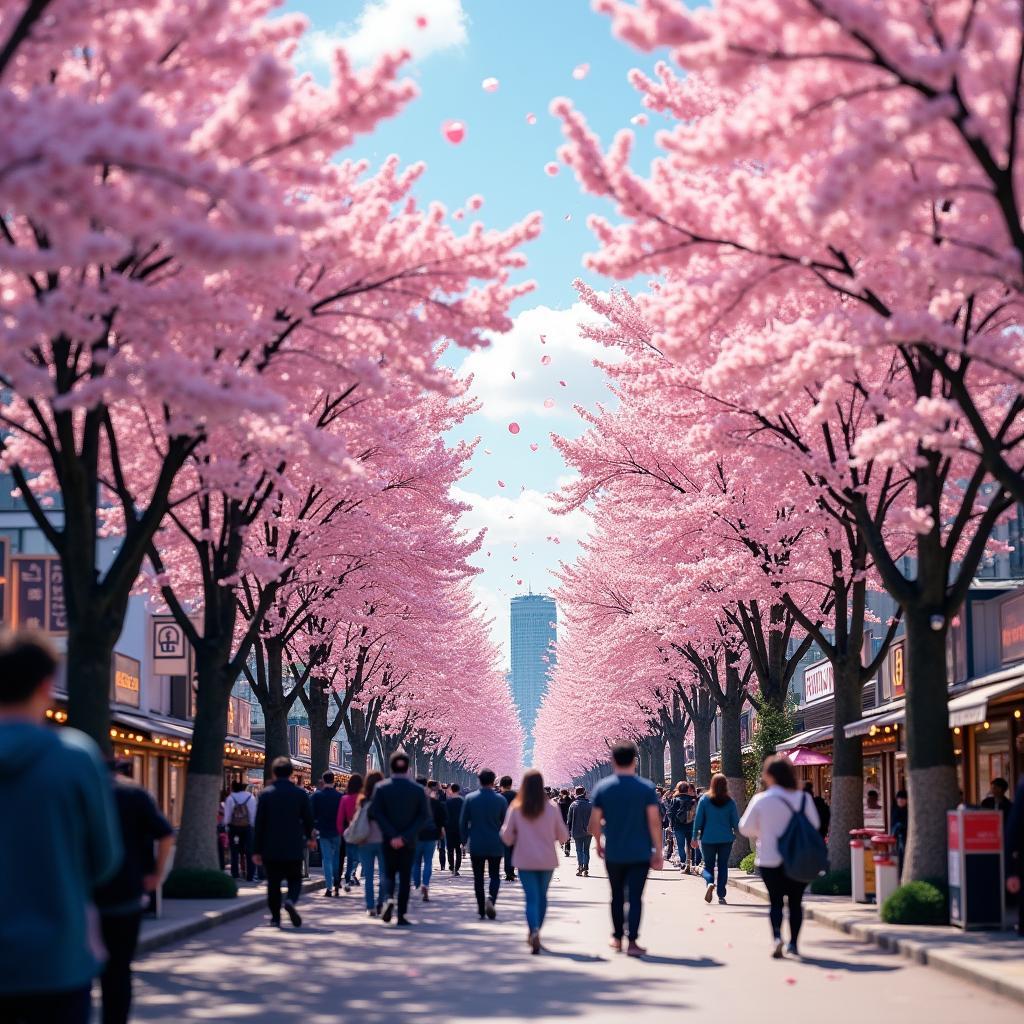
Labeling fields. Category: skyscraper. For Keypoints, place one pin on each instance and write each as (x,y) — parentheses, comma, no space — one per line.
(533,631)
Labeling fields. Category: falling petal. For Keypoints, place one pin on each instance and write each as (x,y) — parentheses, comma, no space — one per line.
(513,374)
(513,428)
(475,202)
(639,119)
(545,360)
(791,981)
(580,72)
(531,118)
(534,447)
(487,451)
(568,217)
(501,483)
(520,582)
(550,168)
(489,85)
(515,558)
(458,215)
(562,382)
(543,339)
(454,131)
(549,403)
(421,22)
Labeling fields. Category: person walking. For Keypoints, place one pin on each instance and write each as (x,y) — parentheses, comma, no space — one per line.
(400,808)
(121,900)
(765,820)
(435,787)
(564,803)
(714,827)
(325,804)
(681,811)
(240,817)
(509,794)
(626,823)
(370,850)
(482,817)
(284,830)
(532,827)
(346,813)
(823,809)
(61,840)
(453,825)
(578,824)
(426,841)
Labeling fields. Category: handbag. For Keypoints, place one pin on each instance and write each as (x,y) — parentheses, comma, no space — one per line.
(358,830)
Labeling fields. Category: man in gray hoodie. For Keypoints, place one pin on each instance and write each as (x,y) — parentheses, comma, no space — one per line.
(578,822)
(59,840)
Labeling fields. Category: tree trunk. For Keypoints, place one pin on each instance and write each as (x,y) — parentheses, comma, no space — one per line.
(197,841)
(702,751)
(932,785)
(89,658)
(732,768)
(658,760)
(645,759)
(847,796)
(677,754)
(319,734)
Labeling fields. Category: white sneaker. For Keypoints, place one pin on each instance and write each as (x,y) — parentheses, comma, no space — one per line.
(709,892)
(777,950)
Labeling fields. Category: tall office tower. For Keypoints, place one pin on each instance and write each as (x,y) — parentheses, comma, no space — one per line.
(533,631)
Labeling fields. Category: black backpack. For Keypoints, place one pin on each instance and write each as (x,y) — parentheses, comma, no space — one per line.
(804,854)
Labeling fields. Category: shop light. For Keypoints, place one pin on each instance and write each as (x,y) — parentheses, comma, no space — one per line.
(1016,713)
(873,730)
(49,713)
(113,732)
(985,725)
(956,730)
(887,729)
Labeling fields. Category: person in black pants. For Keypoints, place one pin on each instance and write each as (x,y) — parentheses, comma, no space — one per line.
(452,829)
(483,814)
(626,823)
(120,901)
(509,794)
(284,826)
(399,806)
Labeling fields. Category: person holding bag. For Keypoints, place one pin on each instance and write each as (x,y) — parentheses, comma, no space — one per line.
(364,836)
(784,824)
(714,828)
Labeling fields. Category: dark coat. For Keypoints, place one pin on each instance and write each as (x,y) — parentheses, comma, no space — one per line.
(284,822)
(579,817)
(399,806)
(482,818)
(453,828)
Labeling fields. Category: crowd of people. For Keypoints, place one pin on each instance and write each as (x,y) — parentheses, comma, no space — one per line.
(77,867)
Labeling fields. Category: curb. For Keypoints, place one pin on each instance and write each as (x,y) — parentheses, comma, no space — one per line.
(911,949)
(160,937)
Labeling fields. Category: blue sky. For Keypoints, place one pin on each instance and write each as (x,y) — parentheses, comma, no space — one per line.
(532,48)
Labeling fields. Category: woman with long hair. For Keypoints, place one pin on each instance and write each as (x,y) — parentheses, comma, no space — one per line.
(765,820)
(532,827)
(714,828)
(346,814)
(371,852)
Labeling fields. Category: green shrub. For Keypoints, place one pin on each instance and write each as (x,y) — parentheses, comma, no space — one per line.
(833,883)
(747,864)
(916,903)
(199,884)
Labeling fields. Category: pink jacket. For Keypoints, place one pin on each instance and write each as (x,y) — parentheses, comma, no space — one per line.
(347,811)
(533,842)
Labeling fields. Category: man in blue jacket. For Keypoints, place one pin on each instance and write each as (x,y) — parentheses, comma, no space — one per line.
(480,825)
(399,806)
(60,838)
(325,804)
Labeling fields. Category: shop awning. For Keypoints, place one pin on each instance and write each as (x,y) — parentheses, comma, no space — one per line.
(971,707)
(888,714)
(805,739)
(179,730)
(804,757)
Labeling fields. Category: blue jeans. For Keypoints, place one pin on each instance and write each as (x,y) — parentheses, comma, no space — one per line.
(583,851)
(716,852)
(423,862)
(330,852)
(369,855)
(535,889)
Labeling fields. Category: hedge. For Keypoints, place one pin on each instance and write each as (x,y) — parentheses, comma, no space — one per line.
(199,884)
(916,903)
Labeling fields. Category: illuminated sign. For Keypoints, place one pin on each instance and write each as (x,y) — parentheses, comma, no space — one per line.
(127,680)
(819,681)
(1011,630)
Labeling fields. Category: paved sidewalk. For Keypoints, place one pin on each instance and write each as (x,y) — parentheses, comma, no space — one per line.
(994,960)
(182,918)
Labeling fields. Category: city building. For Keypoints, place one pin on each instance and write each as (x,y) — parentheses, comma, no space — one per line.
(534,629)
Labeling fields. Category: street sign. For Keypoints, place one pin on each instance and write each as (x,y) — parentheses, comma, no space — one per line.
(37,593)
(169,647)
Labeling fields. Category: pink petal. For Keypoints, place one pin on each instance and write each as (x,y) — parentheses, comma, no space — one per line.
(513,428)
(791,981)
(580,72)
(501,483)
(421,22)
(520,582)
(545,360)
(531,118)
(489,85)
(454,131)
(562,382)
(639,119)
(543,339)
(550,169)
(549,403)
(513,374)
(534,447)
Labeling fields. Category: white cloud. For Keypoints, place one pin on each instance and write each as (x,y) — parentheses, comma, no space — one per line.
(531,518)
(504,398)
(387,26)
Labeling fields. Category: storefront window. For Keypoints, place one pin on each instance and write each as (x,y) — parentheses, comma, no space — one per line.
(992,756)
(874,808)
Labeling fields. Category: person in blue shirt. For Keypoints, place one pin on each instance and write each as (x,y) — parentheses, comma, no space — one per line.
(325,803)
(480,826)
(626,823)
(60,839)
(715,827)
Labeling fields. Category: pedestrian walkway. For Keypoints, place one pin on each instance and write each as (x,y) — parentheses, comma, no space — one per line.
(705,963)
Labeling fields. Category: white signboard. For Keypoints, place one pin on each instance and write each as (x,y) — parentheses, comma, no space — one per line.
(169,647)
(819,681)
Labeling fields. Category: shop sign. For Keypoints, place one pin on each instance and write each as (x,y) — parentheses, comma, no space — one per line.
(127,680)
(335,753)
(169,647)
(819,681)
(301,745)
(1011,630)
(37,583)
(898,668)
(240,718)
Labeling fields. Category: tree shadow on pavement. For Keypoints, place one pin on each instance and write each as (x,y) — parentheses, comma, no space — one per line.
(846,965)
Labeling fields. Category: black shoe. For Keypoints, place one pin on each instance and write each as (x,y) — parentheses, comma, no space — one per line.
(389,909)
(490,909)
(404,922)
(293,914)
(275,922)
(337,891)
(329,891)
(792,950)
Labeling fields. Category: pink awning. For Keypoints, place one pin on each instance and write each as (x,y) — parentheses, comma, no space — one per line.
(804,757)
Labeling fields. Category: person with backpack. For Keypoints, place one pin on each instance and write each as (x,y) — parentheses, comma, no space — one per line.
(364,836)
(240,816)
(714,828)
(681,811)
(783,822)
(578,824)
